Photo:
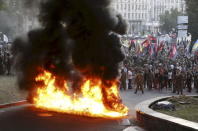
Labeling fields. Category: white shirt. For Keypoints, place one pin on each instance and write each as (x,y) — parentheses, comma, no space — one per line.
(130,75)
(170,75)
(125,69)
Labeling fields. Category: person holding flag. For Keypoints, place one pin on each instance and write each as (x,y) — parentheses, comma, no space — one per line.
(160,47)
(145,46)
(154,42)
(173,52)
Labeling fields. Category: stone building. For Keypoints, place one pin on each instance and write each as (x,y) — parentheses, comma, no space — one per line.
(136,12)
(159,7)
(143,15)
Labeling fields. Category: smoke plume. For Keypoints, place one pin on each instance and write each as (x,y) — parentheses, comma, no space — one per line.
(78,39)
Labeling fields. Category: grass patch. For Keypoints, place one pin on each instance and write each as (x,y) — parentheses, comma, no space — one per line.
(186,108)
(9,91)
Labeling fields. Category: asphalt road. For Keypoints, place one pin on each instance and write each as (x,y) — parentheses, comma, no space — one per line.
(28,118)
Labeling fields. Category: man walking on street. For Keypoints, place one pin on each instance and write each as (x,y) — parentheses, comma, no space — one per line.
(139,79)
(179,82)
(123,79)
(130,77)
(170,77)
(189,81)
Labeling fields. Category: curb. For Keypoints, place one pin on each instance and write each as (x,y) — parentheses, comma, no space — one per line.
(17,103)
(148,117)
(133,128)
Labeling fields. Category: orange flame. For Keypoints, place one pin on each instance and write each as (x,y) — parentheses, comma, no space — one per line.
(90,102)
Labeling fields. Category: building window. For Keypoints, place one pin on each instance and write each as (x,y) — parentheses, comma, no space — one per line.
(125,6)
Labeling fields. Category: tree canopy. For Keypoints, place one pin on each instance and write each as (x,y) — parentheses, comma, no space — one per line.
(168,20)
(2,5)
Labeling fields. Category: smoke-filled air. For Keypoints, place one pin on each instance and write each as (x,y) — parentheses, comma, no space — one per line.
(78,41)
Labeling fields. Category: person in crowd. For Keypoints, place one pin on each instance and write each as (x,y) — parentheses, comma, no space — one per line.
(173,75)
(146,78)
(123,79)
(170,77)
(161,79)
(130,77)
(179,82)
(139,79)
(196,79)
(189,81)
(166,78)
(156,79)
(8,63)
(150,79)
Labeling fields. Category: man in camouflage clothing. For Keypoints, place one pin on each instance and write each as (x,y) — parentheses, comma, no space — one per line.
(179,82)
(123,79)
(139,80)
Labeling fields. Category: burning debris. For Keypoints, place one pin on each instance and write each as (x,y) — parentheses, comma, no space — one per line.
(71,64)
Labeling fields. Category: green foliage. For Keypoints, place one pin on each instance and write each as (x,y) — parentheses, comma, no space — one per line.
(182,110)
(192,11)
(2,5)
(168,20)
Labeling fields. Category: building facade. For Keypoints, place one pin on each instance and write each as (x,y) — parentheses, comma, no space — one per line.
(143,15)
(136,13)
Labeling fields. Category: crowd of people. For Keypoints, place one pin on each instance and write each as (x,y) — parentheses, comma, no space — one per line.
(5,60)
(173,78)
(157,63)
(5,55)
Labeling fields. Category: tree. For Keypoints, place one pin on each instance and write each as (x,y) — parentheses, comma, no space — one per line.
(192,12)
(2,5)
(168,20)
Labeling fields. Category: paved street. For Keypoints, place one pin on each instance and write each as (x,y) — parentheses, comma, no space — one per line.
(29,118)
(78,46)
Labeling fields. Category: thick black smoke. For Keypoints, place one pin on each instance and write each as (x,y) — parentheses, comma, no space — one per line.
(78,39)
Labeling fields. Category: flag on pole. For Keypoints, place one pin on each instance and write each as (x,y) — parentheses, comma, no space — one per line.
(195,47)
(151,50)
(187,49)
(5,38)
(139,48)
(132,44)
(161,46)
(173,52)
(146,43)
